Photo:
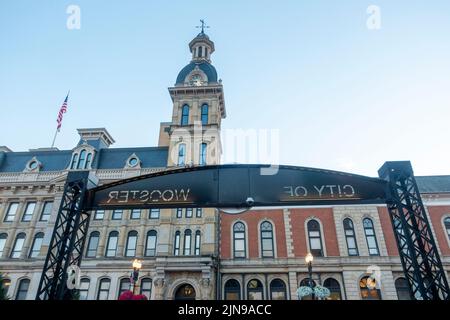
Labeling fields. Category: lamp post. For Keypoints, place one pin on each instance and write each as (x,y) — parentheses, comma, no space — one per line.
(309,259)
(137,265)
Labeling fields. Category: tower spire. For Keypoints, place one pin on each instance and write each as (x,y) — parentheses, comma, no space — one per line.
(203,26)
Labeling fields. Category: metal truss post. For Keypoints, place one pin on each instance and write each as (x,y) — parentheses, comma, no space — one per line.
(68,238)
(416,245)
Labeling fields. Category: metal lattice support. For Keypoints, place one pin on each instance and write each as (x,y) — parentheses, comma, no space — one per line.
(416,245)
(68,238)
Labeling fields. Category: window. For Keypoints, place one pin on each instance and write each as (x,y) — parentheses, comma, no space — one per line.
(371,239)
(179,213)
(93,244)
(278,290)
(188,212)
(185,115)
(232,290)
(103,289)
(18,245)
(46,211)
(267,240)
(307,282)
(28,213)
(154,214)
(255,290)
(111,248)
(99,214)
(74,161)
(202,160)
(150,246)
(447,226)
(117,214)
(368,289)
(11,213)
(5,285)
(125,285)
(81,159)
(37,243)
(135,214)
(200,51)
(334,287)
(88,161)
(198,212)
(22,290)
(146,287)
(197,243)
(239,240)
(181,154)
(350,237)
(205,114)
(402,287)
(187,242)
(130,250)
(3,237)
(176,244)
(315,240)
(84,288)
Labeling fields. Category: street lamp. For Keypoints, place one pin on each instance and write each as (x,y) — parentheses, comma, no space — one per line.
(309,259)
(137,265)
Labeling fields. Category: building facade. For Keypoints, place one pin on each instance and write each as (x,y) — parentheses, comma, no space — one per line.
(199,253)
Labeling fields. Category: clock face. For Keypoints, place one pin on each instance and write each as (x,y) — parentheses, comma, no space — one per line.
(196,80)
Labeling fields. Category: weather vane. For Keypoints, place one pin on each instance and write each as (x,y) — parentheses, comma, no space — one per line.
(203,26)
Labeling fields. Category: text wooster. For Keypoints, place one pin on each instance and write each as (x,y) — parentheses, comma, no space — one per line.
(164,195)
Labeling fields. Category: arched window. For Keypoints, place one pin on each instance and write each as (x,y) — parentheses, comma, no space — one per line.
(239,240)
(205,111)
(125,285)
(146,287)
(84,288)
(185,292)
(37,243)
(371,239)
(368,289)
(150,246)
(402,287)
(74,161)
(315,239)
(103,289)
(93,244)
(202,160)
(350,237)
(447,226)
(181,154)
(232,290)
(255,290)
(88,161)
(185,115)
(334,287)
(18,245)
(82,159)
(307,282)
(277,290)
(111,247)
(130,250)
(22,289)
(187,242)
(176,244)
(267,240)
(3,237)
(197,243)
(200,51)
(5,285)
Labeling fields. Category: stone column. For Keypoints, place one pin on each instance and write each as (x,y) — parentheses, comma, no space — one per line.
(102,242)
(293,284)
(122,241)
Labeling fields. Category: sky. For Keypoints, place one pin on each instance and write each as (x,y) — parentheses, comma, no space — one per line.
(338,93)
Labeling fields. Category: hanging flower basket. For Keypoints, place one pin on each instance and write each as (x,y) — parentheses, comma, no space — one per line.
(304,291)
(128,295)
(321,292)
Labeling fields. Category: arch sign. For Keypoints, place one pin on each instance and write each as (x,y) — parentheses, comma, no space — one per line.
(237,186)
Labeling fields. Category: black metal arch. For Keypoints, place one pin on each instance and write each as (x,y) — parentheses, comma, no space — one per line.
(243,186)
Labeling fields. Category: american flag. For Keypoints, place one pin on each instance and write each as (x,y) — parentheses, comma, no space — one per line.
(61,112)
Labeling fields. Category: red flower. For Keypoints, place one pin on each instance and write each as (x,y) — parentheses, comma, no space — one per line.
(127,295)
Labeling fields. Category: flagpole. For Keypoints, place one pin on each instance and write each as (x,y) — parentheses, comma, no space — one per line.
(54,138)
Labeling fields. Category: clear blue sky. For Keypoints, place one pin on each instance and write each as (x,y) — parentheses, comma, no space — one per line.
(343,97)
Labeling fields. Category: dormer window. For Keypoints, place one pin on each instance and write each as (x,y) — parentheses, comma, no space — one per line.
(133,161)
(82,159)
(33,165)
